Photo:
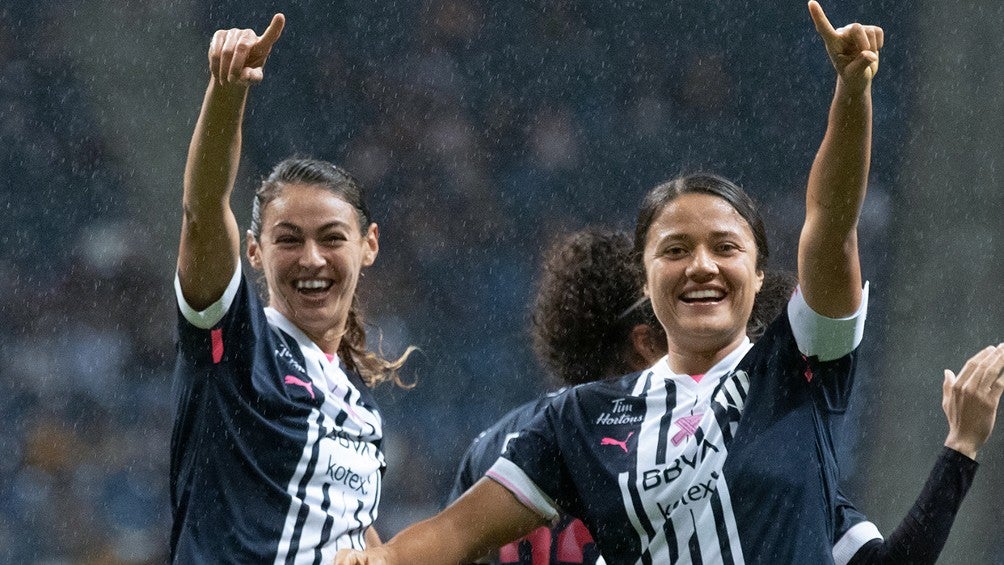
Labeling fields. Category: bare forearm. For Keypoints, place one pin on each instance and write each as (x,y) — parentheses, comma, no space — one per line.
(829,267)
(839,174)
(210,239)
(215,149)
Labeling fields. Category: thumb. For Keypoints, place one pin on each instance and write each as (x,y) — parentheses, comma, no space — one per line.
(946,389)
(861,65)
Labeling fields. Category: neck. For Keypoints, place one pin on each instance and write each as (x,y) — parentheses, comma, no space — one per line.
(697,361)
(328,341)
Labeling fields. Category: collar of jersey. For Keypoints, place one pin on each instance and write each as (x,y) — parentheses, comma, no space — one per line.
(712,376)
(307,345)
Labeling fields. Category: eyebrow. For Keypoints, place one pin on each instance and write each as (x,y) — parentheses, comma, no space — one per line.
(716,234)
(295,228)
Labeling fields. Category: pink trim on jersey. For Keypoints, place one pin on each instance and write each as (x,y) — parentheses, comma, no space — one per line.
(216,337)
(697,378)
(330,356)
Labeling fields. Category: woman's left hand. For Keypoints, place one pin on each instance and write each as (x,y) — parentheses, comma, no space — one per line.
(970,400)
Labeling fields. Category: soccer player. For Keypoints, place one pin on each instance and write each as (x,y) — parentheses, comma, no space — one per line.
(589,324)
(590,321)
(276,449)
(720,452)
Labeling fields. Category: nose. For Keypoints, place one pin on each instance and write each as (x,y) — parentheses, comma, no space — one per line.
(702,265)
(311,256)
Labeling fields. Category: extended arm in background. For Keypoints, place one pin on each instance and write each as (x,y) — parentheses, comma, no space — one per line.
(486,517)
(210,240)
(829,270)
(970,401)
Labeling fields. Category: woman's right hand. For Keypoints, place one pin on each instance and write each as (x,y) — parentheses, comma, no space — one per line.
(237,56)
(970,400)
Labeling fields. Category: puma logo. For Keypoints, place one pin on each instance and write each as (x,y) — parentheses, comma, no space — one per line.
(612,441)
(291,380)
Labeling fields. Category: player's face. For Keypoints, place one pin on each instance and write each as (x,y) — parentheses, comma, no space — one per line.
(311,251)
(700,268)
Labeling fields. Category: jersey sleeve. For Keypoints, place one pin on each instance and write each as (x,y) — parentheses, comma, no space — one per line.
(208,318)
(466,475)
(922,534)
(531,468)
(853,531)
(825,338)
(223,334)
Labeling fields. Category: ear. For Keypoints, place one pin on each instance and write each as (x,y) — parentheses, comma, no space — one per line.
(645,342)
(254,251)
(759,282)
(371,245)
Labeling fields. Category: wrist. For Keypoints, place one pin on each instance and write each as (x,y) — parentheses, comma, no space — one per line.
(967,448)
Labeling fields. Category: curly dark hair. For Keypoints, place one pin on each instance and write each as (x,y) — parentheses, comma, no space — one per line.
(773,296)
(581,320)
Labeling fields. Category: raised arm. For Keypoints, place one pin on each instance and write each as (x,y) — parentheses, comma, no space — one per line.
(829,270)
(486,517)
(210,241)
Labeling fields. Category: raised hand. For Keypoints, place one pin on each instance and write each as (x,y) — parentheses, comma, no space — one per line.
(237,56)
(970,400)
(853,49)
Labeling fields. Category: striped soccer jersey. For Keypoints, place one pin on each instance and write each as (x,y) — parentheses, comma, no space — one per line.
(275,454)
(567,542)
(733,466)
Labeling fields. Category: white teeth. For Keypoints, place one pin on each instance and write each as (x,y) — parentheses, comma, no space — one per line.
(311,285)
(701,294)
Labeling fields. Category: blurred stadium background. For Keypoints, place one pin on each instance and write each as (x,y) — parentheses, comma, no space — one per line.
(481,130)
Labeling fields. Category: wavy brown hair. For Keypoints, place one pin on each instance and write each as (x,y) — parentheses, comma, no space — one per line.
(371,366)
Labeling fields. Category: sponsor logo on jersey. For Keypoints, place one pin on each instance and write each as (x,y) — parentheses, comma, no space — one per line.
(291,380)
(282,352)
(652,478)
(617,442)
(341,474)
(688,425)
(620,413)
(696,493)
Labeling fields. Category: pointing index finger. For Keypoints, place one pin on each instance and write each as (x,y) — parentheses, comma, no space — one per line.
(274,30)
(823,25)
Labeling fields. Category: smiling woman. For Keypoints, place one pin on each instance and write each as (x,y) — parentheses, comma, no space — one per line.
(276,452)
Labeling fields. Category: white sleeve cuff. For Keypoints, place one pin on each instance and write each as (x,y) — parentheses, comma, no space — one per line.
(826,338)
(214,312)
(852,540)
(509,475)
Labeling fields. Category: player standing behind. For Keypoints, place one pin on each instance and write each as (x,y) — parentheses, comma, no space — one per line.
(276,449)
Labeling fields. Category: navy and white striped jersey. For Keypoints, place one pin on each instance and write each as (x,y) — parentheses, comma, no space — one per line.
(567,541)
(275,454)
(733,466)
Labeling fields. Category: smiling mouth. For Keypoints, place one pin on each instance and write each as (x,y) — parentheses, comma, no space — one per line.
(313,286)
(708,296)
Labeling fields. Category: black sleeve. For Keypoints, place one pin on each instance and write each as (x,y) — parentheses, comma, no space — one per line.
(921,535)
(467,474)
